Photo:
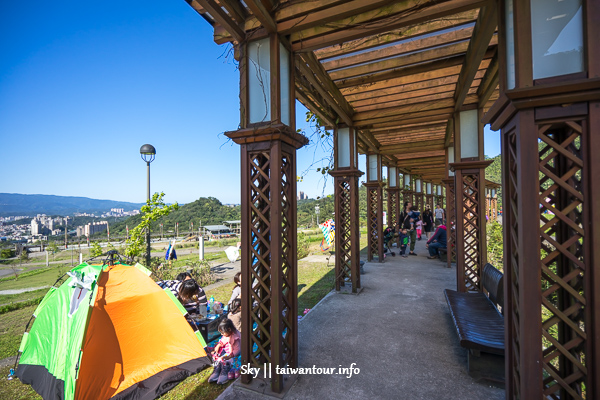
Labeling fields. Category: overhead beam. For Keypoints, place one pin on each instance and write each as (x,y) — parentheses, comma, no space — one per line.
(423,14)
(483,35)
(262,14)
(320,72)
(398,62)
(449,132)
(222,18)
(397,35)
(308,74)
(400,49)
(489,82)
(312,106)
(235,9)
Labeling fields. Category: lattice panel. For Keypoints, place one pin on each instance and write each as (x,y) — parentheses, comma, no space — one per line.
(392,207)
(512,258)
(451,221)
(471,230)
(343,231)
(561,198)
(288,312)
(260,249)
(372,220)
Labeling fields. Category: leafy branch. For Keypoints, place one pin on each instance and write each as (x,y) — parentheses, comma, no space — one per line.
(154,209)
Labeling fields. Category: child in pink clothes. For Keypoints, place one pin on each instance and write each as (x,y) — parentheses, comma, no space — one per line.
(419,228)
(229,345)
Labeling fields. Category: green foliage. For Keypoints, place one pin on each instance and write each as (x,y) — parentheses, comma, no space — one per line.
(52,247)
(306,211)
(495,245)
(303,244)
(200,271)
(24,256)
(208,210)
(153,210)
(96,250)
(22,304)
(7,253)
(494,173)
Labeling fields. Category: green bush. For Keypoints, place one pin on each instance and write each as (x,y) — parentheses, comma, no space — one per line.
(303,242)
(7,253)
(495,245)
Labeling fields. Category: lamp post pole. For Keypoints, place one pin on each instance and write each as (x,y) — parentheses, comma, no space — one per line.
(148,153)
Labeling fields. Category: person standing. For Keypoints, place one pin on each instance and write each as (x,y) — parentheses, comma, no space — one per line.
(439,215)
(427,221)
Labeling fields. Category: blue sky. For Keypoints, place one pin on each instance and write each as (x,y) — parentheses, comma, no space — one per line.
(84,84)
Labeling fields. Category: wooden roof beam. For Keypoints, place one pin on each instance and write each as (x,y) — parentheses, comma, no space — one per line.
(489,82)
(308,74)
(222,18)
(483,33)
(332,15)
(449,132)
(397,35)
(400,49)
(262,14)
(312,106)
(325,79)
(236,10)
(370,140)
(412,15)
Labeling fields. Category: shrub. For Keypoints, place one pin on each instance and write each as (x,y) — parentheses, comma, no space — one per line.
(303,242)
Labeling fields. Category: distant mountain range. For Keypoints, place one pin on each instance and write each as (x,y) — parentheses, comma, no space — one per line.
(32,204)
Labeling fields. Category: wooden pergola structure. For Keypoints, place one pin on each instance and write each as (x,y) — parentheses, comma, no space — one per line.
(410,84)
(491,200)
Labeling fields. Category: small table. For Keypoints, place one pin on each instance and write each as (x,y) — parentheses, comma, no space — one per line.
(209,327)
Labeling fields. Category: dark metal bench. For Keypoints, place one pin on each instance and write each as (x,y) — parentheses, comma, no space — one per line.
(480,325)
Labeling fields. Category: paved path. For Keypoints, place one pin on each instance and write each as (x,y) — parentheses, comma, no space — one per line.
(397,331)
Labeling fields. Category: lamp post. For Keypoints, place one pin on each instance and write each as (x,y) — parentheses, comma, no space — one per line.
(317,210)
(148,152)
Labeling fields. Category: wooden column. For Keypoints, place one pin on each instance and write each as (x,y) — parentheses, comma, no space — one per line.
(551,198)
(469,170)
(374,187)
(345,178)
(393,197)
(268,142)
(407,192)
(450,220)
(418,197)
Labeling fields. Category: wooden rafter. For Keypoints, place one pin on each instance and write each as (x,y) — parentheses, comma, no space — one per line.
(483,35)
(425,13)
(262,14)
(400,49)
(235,9)
(223,18)
(310,76)
(489,82)
(397,35)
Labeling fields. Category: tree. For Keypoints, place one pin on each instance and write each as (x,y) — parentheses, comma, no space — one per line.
(96,250)
(154,209)
(52,248)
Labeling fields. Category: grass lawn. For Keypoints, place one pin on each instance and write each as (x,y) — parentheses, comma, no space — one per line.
(15,298)
(315,280)
(45,278)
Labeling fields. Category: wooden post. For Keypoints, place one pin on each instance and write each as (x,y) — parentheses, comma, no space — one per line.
(347,240)
(374,187)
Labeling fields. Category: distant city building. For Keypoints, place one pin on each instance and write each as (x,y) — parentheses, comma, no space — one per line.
(302,196)
(41,225)
(93,227)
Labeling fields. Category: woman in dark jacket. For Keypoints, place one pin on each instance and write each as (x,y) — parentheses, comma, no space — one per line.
(427,221)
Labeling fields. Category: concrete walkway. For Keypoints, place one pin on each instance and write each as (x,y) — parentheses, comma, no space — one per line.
(397,331)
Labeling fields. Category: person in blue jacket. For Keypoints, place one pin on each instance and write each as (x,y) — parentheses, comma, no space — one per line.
(437,241)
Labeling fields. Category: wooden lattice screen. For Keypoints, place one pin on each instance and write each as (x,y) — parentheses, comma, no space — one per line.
(471,237)
(269,265)
(450,221)
(347,247)
(374,221)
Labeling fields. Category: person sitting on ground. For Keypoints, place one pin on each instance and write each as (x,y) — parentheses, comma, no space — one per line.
(229,346)
(175,284)
(237,289)
(235,313)
(192,296)
(437,241)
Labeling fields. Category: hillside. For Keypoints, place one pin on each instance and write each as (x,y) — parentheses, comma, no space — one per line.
(205,211)
(32,204)
(494,174)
